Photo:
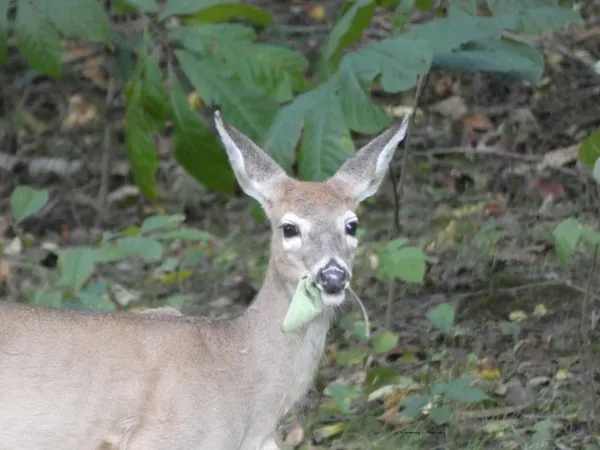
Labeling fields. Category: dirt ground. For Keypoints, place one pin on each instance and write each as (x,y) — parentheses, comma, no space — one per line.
(491,171)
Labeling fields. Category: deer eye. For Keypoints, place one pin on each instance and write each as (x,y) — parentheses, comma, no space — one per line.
(289,230)
(351,228)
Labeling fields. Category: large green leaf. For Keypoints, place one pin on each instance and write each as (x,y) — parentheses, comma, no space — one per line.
(38,40)
(25,201)
(347,30)
(565,236)
(533,16)
(326,143)
(140,144)
(283,134)
(3,29)
(446,34)
(148,6)
(360,112)
(200,38)
(222,13)
(399,62)
(182,7)
(83,19)
(197,150)
(246,108)
(512,59)
(76,266)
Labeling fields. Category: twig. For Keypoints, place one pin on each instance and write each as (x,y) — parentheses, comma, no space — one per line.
(399,192)
(105,164)
(586,352)
(470,151)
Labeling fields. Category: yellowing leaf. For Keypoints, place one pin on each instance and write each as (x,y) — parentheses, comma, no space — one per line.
(329,431)
(562,375)
(540,310)
(517,316)
(317,13)
(194,100)
(489,374)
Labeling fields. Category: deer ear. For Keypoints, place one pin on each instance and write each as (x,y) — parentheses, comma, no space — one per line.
(364,172)
(254,169)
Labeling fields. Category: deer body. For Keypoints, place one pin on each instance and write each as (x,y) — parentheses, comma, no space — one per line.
(77,380)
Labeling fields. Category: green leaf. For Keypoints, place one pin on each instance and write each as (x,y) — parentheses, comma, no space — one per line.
(343,396)
(186,234)
(283,135)
(565,237)
(414,404)
(384,342)
(405,263)
(224,12)
(3,30)
(360,113)
(379,377)
(398,61)
(146,248)
(440,415)
(542,433)
(161,222)
(182,7)
(25,201)
(110,252)
(326,143)
(84,19)
(446,34)
(514,60)
(246,108)
(589,149)
(352,356)
(468,6)
(533,17)
(347,30)
(76,266)
(591,237)
(402,13)
(200,38)
(153,98)
(442,316)
(462,391)
(140,144)
(196,149)
(38,40)
(94,298)
(176,301)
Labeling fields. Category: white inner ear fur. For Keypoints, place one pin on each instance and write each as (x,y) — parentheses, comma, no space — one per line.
(366,188)
(251,187)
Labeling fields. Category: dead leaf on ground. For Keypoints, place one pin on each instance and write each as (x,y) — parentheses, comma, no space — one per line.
(559,157)
(391,417)
(475,126)
(453,107)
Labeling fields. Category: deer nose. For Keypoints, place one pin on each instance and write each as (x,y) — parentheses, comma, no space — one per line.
(332,278)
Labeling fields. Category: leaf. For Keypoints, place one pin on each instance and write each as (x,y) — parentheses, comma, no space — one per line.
(161,222)
(591,237)
(326,143)
(3,30)
(462,391)
(49,299)
(147,6)
(25,201)
(347,30)
(379,377)
(176,301)
(402,13)
(514,60)
(589,149)
(283,134)
(182,7)
(442,316)
(197,150)
(84,19)
(245,108)
(200,38)
(76,266)
(405,263)
(38,40)
(413,405)
(360,113)
(467,6)
(140,144)
(343,396)
(110,252)
(225,12)
(187,234)
(533,17)
(542,433)
(565,237)
(384,342)
(440,415)
(352,356)
(146,248)
(398,60)
(153,98)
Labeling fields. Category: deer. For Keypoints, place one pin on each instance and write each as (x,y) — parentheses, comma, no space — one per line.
(162,380)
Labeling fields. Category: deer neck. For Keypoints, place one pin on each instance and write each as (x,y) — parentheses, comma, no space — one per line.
(292,359)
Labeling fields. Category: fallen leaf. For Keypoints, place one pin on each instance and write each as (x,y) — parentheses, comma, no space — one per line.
(559,157)
(317,13)
(328,431)
(517,316)
(453,107)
